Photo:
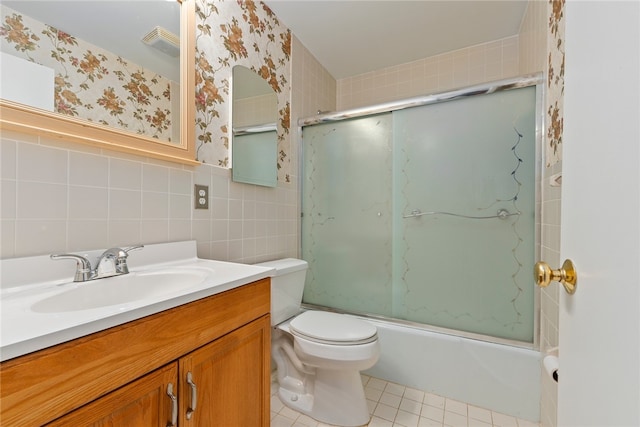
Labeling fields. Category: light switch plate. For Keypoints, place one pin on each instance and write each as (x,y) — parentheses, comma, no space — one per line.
(201,196)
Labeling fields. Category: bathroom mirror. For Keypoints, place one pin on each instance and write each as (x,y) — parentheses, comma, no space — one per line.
(254,142)
(146,99)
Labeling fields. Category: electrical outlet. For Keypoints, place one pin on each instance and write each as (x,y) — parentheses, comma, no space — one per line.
(201,196)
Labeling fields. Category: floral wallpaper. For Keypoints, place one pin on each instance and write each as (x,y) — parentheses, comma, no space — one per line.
(238,32)
(90,82)
(555,82)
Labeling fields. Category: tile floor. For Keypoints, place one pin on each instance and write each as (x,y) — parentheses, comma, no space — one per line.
(394,405)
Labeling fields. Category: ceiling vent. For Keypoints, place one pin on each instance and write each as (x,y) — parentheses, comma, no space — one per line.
(163,40)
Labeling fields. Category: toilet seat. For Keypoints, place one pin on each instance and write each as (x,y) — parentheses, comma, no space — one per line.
(332,328)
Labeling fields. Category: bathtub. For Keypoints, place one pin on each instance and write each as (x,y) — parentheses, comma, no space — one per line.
(498,377)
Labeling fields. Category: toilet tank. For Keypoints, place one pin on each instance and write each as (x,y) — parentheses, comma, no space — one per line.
(287,286)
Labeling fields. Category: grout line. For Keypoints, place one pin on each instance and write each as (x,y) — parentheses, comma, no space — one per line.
(473,415)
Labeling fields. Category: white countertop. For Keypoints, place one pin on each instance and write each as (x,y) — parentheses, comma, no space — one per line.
(26,281)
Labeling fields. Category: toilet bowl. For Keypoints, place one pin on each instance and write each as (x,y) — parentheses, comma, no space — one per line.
(318,354)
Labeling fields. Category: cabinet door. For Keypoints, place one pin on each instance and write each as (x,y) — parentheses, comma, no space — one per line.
(228,380)
(142,403)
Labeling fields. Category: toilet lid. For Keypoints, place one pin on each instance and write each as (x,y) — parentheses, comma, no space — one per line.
(334,328)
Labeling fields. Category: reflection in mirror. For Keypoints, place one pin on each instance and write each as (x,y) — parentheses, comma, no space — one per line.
(18,117)
(254,156)
(103,71)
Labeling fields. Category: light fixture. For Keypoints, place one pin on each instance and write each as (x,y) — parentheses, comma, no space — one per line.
(163,40)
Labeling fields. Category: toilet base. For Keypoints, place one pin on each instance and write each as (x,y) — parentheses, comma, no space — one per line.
(337,399)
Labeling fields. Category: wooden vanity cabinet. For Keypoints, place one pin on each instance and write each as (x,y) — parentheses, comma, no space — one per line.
(120,376)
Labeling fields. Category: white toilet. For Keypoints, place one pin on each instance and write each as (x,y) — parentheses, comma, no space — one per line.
(318,354)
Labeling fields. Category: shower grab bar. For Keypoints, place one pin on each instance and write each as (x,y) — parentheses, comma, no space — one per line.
(501,214)
(267,127)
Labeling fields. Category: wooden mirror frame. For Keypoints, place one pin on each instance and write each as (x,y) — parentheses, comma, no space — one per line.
(25,119)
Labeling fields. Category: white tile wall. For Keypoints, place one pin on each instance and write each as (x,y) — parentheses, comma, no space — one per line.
(314,89)
(550,296)
(59,197)
(255,110)
(463,67)
(532,38)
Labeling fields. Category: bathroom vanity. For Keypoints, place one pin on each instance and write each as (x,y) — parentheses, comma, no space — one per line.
(203,362)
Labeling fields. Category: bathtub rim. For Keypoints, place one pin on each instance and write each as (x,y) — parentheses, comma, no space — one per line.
(426,327)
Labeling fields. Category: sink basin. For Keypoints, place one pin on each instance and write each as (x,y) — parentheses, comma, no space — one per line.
(120,290)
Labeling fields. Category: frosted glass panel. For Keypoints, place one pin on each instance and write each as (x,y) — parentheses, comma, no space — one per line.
(470,157)
(347,214)
(254,158)
(377,197)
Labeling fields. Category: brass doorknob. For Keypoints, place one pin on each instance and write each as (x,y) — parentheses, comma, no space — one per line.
(567,275)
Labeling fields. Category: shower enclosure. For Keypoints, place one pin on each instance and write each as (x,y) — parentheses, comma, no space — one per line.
(424,210)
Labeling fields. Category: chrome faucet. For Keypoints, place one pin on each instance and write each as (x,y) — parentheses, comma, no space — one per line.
(113,262)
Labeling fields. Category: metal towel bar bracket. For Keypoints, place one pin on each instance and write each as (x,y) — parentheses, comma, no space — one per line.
(501,214)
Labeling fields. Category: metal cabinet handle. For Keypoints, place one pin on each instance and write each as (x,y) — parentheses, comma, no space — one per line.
(194,396)
(174,406)
(543,275)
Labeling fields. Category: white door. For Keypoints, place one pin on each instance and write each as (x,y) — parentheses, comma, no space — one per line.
(599,382)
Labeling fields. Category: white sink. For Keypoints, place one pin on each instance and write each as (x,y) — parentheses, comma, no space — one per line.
(120,290)
(40,306)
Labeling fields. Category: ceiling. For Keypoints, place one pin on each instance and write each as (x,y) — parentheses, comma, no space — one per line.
(351,37)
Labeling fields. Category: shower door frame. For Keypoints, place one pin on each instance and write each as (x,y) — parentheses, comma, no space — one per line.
(537,80)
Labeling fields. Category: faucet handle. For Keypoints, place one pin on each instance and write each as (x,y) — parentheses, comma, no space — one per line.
(132,248)
(83,266)
(121,262)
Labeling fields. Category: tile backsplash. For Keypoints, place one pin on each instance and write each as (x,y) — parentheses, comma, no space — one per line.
(59,197)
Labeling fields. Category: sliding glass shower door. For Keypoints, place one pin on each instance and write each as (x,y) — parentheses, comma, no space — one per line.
(347,214)
(426,214)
